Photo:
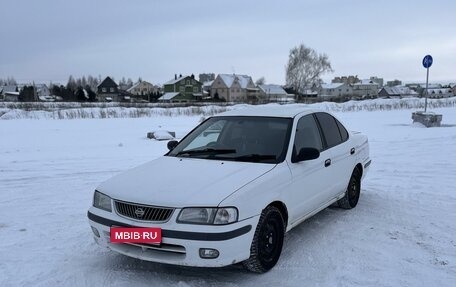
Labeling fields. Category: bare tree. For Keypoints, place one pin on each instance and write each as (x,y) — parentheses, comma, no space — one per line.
(305,68)
(260,81)
(9,81)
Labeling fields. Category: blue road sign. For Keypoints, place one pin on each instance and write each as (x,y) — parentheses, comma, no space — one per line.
(427,61)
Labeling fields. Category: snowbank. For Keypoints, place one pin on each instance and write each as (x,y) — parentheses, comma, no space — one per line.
(9,111)
(402,233)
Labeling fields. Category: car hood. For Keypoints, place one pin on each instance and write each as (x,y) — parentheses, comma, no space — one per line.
(179,182)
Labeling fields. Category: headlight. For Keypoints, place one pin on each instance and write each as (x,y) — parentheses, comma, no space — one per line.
(226,215)
(102,201)
(204,215)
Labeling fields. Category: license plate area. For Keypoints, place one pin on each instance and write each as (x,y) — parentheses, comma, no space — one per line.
(149,235)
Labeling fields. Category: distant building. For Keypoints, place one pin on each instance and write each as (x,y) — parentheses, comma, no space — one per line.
(346,80)
(207,89)
(397,92)
(440,93)
(234,87)
(171,98)
(394,83)
(9,93)
(43,93)
(365,88)
(142,88)
(422,87)
(274,93)
(335,90)
(377,80)
(108,91)
(206,77)
(453,88)
(187,87)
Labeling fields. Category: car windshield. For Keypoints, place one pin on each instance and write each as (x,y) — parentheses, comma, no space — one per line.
(248,139)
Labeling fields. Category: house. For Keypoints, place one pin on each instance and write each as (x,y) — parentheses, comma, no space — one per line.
(11,90)
(142,88)
(274,93)
(422,87)
(173,97)
(345,80)
(365,88)
(397,92)
(42,91)
(188,87)
(108,91)
(335,90)
(377,80)
(207,89)
(394,83)
(11,96)
(440,93)
(234,88)
(453,87)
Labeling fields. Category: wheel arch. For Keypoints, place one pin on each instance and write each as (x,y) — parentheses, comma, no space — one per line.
(359,166)
(283,210)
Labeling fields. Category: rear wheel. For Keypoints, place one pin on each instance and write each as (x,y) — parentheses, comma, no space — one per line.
(350,200)
(267,242)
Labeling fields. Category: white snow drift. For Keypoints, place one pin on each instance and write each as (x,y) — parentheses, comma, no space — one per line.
(402,233)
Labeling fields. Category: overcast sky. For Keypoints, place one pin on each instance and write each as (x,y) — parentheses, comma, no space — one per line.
(48,40)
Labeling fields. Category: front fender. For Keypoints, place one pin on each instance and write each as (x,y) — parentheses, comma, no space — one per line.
(252,198)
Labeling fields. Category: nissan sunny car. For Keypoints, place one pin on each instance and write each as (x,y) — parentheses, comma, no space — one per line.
(230,189)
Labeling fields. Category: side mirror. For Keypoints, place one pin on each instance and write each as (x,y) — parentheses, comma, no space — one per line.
(306,153)
(172,144)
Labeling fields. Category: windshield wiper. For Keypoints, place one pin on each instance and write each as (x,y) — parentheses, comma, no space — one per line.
(208,151)
(255,157)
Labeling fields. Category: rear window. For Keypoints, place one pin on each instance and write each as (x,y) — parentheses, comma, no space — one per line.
(342,130)
(330,129)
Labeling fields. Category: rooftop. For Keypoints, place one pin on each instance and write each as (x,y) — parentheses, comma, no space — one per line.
(280,111)
(229,79)
(332,85)
(168,96)
(272,89)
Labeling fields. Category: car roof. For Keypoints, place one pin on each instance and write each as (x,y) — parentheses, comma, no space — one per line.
(281,111)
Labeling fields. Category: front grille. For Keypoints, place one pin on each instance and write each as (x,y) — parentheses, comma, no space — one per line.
(143,212)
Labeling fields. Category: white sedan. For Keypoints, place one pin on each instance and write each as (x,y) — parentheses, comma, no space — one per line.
(230,190)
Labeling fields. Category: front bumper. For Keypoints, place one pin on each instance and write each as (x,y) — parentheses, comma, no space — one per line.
(180,242)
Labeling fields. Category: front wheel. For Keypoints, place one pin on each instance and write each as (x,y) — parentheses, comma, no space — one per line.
(267,242)
(350,200)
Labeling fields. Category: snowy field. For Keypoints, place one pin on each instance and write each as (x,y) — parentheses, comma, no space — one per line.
(402,233)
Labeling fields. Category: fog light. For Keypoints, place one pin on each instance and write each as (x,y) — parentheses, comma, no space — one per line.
(208,253)
(95,231)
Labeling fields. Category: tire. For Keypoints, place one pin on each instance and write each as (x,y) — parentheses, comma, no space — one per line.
(267,242)
(350,200)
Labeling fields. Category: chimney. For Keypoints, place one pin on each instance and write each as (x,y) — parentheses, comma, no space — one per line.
(180,76)
(193,76)
(175,76)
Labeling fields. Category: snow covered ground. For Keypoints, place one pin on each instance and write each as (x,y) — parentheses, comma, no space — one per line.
(402,233)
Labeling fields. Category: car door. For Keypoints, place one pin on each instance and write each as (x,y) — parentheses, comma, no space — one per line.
(309,181)
(342,154)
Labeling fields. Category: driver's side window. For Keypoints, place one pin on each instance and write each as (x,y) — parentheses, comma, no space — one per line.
(307,134)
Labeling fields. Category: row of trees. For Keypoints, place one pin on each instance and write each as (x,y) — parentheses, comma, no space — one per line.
(91,81)
(303,71)
(9,81)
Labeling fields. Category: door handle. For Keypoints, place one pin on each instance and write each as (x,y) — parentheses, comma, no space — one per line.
(352,151)
(327,162)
